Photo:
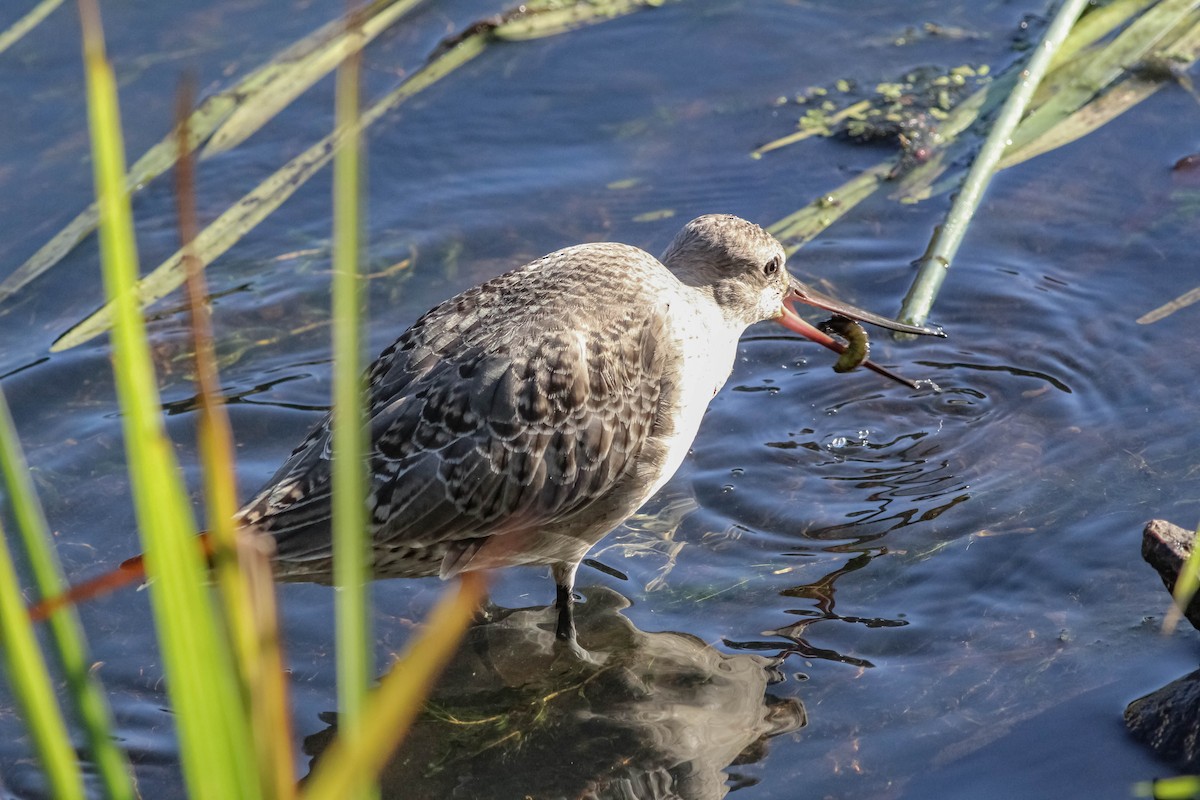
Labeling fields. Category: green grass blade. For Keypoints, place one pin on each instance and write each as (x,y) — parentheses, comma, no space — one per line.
(1186,586)
(259,203)
(227,229)
(932,267)
(345,766)
(922,180)
(214,734)
(287,85)
(213,241)
(351,546)
(1182,787)
(861,107)
(66,632)
(32,686)
(919,183)
(25,24)
(926,179)
(157,160)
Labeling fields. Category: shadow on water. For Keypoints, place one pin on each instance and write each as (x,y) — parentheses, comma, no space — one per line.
(637,715)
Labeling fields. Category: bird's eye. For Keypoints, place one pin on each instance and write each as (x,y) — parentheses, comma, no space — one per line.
(772,266)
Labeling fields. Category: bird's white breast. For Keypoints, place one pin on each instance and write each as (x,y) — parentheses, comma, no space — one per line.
(708,344)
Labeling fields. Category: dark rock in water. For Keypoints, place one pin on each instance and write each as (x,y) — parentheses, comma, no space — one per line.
(1166,720)
(1166,547)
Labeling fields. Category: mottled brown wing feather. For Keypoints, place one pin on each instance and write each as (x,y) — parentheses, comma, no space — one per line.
(506,407)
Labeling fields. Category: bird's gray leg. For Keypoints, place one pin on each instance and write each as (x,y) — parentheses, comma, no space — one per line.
(564,581)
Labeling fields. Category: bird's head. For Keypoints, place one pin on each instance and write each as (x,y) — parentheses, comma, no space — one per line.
(745,270)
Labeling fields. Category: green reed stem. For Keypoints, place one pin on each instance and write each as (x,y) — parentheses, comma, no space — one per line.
(350,535)
(214,733)
(933,266)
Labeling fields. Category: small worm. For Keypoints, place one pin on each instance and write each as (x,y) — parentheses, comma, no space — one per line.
(857,346)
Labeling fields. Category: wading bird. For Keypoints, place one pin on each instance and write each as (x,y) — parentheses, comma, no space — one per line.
(522,420)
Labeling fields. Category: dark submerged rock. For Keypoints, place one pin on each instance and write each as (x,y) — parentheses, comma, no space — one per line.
(1167,721)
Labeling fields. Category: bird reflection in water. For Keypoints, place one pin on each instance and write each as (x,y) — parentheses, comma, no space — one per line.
(640,715)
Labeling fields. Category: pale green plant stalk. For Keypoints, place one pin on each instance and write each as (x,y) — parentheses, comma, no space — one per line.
(214,732)
(350,540)
(261,202)
(1186,586)
(267,89)
(288,84)
(932,267)
(1083,43)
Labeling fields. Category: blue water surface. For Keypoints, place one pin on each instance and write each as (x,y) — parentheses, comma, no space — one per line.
(851,588)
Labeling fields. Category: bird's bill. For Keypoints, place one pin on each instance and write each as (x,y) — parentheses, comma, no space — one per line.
(794,322)
(799,293)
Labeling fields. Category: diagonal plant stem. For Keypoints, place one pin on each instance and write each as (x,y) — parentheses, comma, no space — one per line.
(922,180)
(227,229)
(802,226)
(1076,82)
(1183,301)
(288,84)
(1180,49)
(932,267)
(25,24)
(346,765)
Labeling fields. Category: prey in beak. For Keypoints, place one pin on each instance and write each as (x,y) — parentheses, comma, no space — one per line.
(800,293)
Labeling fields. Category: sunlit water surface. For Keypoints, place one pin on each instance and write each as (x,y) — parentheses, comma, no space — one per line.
(851,589)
